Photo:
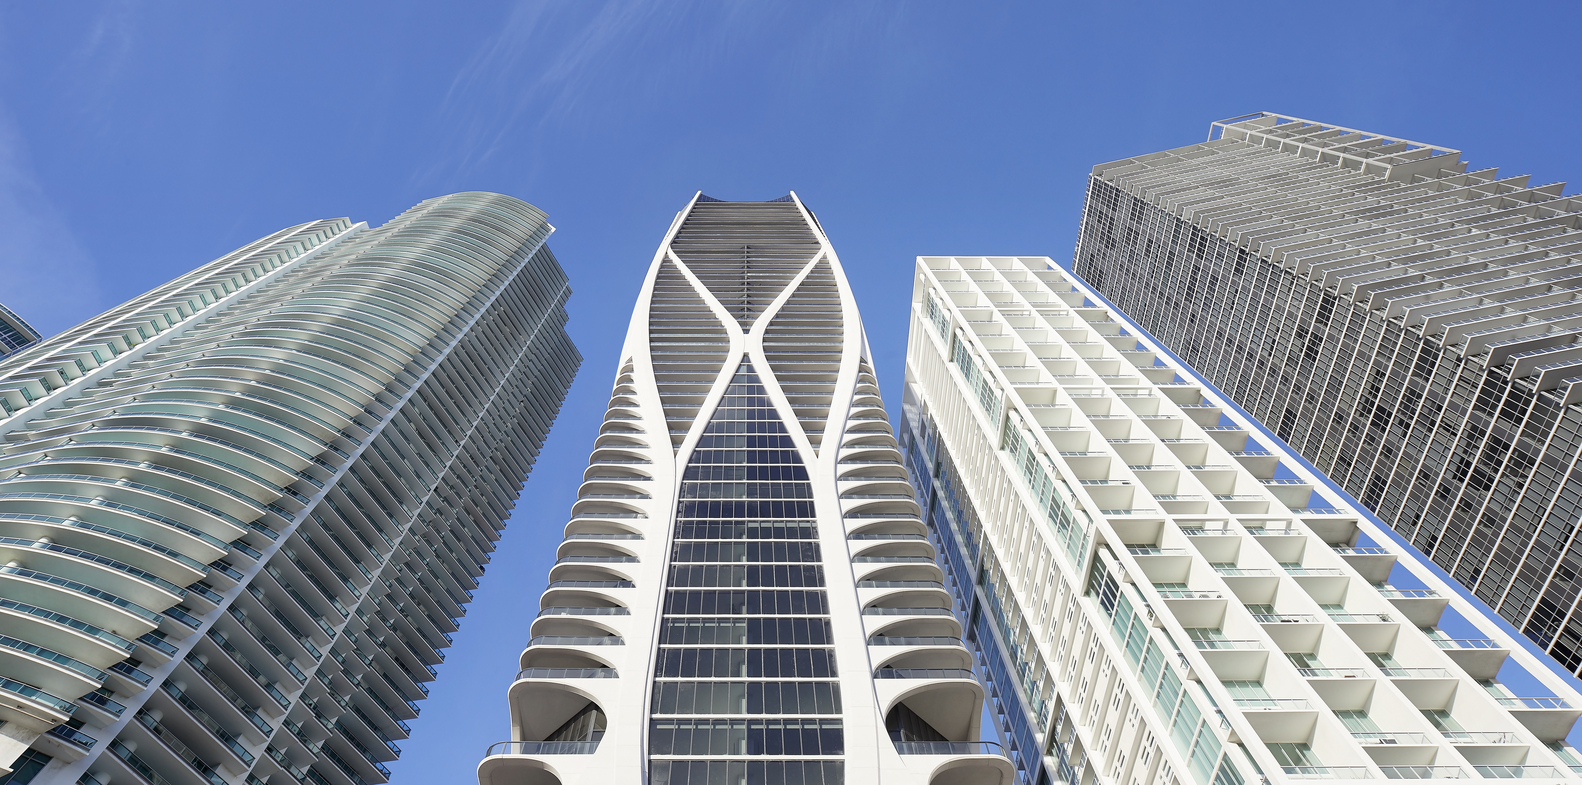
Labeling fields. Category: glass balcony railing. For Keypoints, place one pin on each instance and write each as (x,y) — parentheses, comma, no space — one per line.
(1227,644)
(1326,772)
(1332,673)
(949,748)
(1466,643)
(1360,618)
(1423,772)
(566,673)
(576,640)
(913,640)
(906,612)
(543,748)
(1518,772)
(561,610)
(1418,673)
(1532,703)
(1380,737)
(1481,737)
(922,673)
(1277,618)
(1274,704)
(1406,594)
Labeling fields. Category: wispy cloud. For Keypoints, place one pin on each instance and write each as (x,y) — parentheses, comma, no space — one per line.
(556,64)
(45,274)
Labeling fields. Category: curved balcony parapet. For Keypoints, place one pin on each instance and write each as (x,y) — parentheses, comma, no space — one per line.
(913,640)
(563,610)
(924,673)
(566,673)
(576,640)
(949,748)
(574,584)
(543,748)
(907,612)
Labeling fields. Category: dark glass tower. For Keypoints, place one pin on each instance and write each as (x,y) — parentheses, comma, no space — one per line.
(1408,323)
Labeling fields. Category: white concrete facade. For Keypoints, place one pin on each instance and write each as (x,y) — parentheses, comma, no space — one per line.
(1161,595)
(745,309)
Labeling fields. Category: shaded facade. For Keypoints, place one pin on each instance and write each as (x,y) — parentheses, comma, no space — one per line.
(241,514)
(1157,592)
(746,593)
(1408,323)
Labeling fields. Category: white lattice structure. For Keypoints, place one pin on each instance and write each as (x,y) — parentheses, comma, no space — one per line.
(1161,593)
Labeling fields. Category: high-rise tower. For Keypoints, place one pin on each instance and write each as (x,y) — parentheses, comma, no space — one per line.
(241,514)
(1407,323)
(14,332)
(1159,593)
(746,593)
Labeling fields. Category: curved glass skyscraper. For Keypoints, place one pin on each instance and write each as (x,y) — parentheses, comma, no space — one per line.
(746,592)
(242,513)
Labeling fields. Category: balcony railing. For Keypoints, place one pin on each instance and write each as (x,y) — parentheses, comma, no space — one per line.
(1424,772)
(1532,703)
(900,585)
(1380,737)
(1332,673)
(1282,618)
(543,748)
(1227,644)
(1189,594)
(576,640)
(923,673)
(1326,772)
(1366,550)
(949,748)
(1481,737)
(73,736)
(1407,594)
(1518,772)
(566,610)
(1418,673)
(1271,704)
(1360,618)
(1466,643)
(566,673)
(913,640)
(906,612)
(592,585)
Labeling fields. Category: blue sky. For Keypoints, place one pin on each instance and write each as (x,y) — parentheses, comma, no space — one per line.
(138,141)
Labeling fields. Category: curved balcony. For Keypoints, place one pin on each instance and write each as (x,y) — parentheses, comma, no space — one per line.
(578,570)
(892,572)
(905,525)
(571,597)
(566,673)
(566,657)
(918,652)
(576,626)
(898,545)
(599,547)
(921,626)
(509,764)
(966,762)
(595,529)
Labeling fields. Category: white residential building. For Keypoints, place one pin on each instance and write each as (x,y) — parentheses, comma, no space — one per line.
(1159,593)
(746,593)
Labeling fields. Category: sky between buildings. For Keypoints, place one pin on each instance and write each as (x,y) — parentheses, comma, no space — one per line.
(138,141)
